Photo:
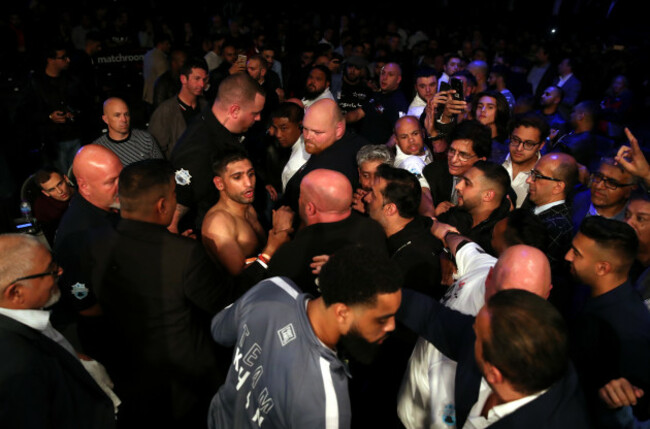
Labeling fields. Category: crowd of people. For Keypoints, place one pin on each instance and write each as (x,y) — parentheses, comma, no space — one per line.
(361,229)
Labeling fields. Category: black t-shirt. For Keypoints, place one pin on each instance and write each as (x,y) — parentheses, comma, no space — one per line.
(199,147)
(381,111)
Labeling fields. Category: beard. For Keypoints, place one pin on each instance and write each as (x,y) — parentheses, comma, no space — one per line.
(312,95)
(54,298)
(358,347)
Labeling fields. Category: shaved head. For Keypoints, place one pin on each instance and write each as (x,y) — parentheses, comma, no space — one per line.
(97,170)
(520,267)
(117,117)
(324,194)
(323,125)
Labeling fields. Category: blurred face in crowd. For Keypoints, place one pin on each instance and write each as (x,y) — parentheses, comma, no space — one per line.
(486,110)
(195,82)
(316,84)
(637,215)
(118,118)
(426,87)
(520,138)
(367,173)
(57,187)
(461,156)
(409,136)
(390,77)
(602,182)
(285,131)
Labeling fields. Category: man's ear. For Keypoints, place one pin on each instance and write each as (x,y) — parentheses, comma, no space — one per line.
(343,315)
(492,374)
(162,206)
(234,110)
(603,268)
(339,130)
(489,195)
(559,187)
(390,209)
(105,119)
(183,79)
(218,182)
(13,294)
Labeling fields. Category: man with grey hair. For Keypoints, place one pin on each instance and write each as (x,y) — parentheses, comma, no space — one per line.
(42,382)
(369,158)
(238,105)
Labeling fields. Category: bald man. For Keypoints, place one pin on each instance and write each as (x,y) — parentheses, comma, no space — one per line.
(97,171)
(426,398)
(330,147)
(381,110)
(549,183)
(129,145)
(325,210)
(231,230)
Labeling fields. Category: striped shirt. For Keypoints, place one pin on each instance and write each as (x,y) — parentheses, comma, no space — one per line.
(137,146)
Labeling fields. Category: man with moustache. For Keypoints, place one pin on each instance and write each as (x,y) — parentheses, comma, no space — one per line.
(609,192)
(42,382)
(470,142)
(231,230)
(354,91)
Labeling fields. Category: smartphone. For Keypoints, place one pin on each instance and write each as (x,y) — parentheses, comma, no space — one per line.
(444,86)
(241,59)
(457,84)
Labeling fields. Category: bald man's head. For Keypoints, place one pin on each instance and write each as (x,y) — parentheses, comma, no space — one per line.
(117,117)
(325,196)
(520,267)
(97,170)
(322,125)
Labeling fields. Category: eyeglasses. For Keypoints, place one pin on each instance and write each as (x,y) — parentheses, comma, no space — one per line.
(55,273)
(463,156)
(612,184)
(535,175)
(63,57)
(516,141)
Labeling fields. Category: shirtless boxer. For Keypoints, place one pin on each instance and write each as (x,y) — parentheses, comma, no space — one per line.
(231,230)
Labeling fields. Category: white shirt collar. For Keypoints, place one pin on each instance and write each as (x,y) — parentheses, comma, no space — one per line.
(496,413)
(545,207)
(40,321)
(36,319)
(562,80)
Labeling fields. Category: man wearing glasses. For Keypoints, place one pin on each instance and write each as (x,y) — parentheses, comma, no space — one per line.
(470,142)
(42,382)
(553,177)
(527,136)
(608,194)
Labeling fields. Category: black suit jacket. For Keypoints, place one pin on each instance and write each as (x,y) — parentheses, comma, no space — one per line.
(158,292)
(561,406)
(440,181)
(42,385)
